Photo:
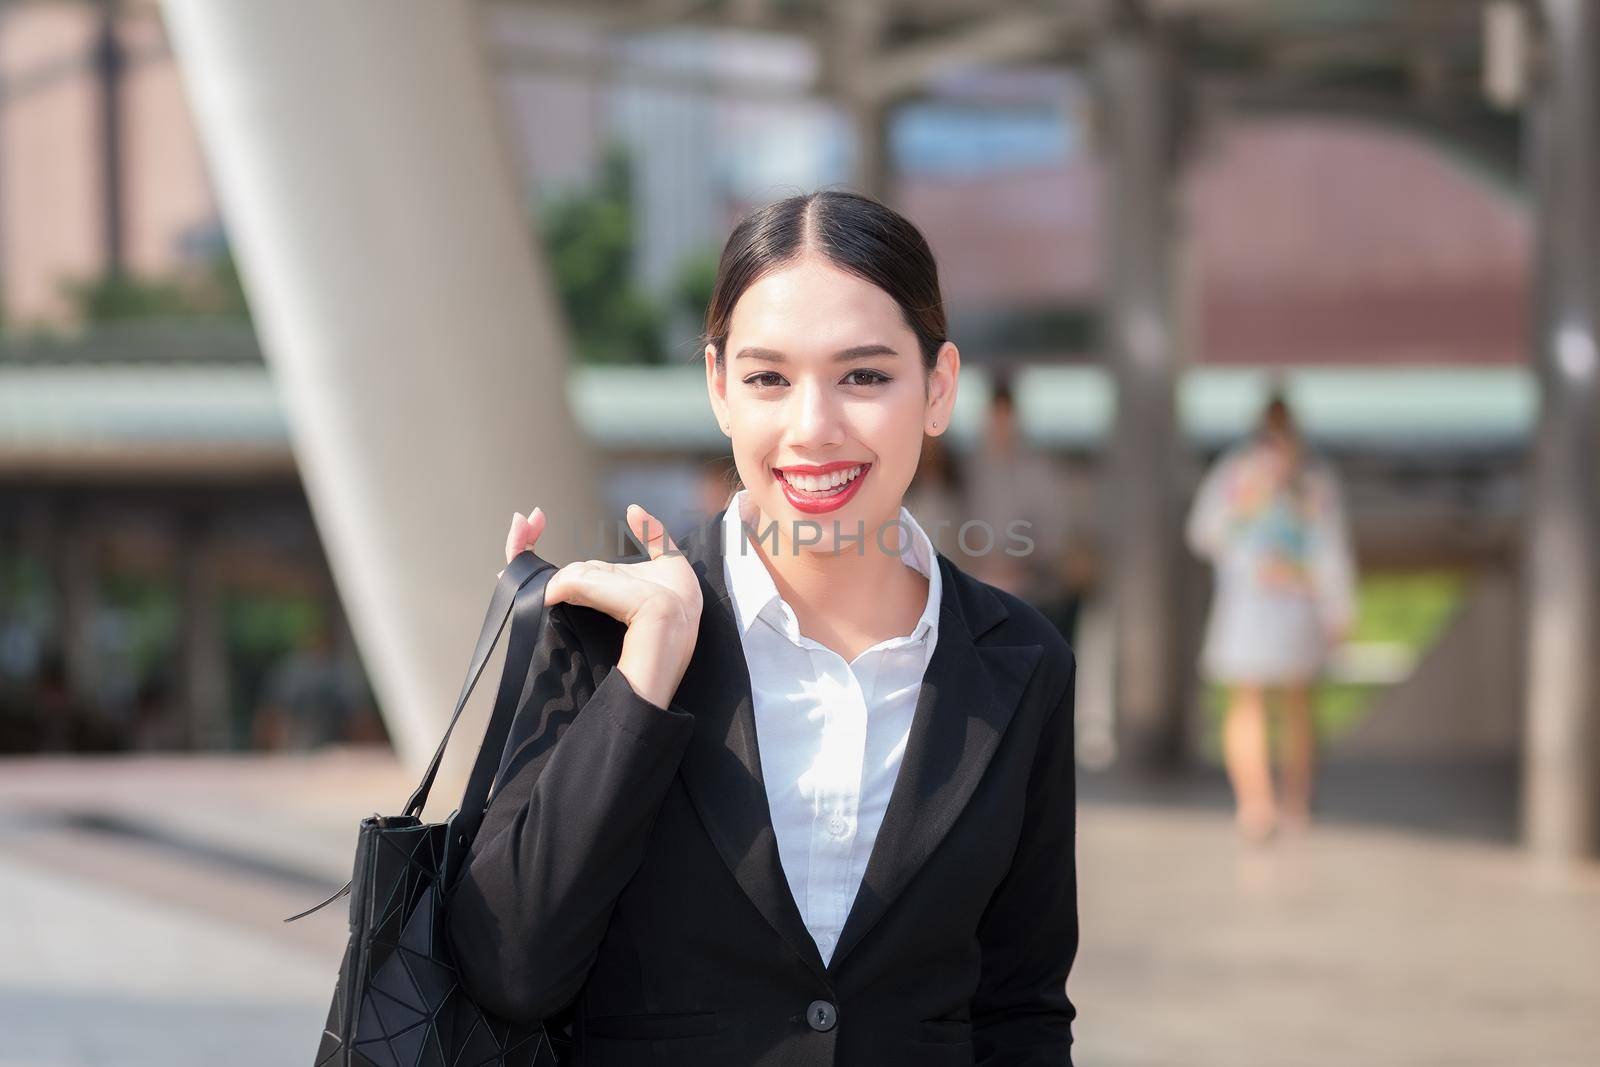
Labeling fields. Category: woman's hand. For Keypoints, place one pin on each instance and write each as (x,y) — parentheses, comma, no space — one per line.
(658,600)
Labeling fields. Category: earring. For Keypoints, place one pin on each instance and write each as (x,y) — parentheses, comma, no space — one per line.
(935,424)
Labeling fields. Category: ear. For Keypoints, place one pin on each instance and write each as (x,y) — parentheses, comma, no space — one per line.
(717,388)
(942,382)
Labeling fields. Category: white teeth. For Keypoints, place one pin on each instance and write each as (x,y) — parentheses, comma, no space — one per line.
(820,484)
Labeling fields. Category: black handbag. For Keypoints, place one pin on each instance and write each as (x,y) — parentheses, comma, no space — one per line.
(397,1001)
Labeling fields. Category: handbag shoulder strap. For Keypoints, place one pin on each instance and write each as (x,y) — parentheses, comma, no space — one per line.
(518,573)
(519,591)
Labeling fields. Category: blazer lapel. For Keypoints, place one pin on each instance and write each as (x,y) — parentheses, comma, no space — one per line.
(722,766)
(967,699)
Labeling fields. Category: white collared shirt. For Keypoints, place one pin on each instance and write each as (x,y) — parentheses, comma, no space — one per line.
(831,734)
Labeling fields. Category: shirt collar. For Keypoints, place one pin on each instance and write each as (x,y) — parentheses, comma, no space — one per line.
(754,594)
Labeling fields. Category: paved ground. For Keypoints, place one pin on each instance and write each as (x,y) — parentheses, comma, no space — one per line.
(140,902)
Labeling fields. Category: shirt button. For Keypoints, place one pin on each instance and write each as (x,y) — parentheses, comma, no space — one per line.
(821,1015)
(837,826)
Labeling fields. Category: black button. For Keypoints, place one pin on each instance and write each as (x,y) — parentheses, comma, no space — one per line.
(822,1015)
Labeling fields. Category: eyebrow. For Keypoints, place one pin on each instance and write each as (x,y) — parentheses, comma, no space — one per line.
(770,355)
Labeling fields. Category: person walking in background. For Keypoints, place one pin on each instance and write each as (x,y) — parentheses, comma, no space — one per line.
(314,697)
(1013,489)
(938,498)
(1269,516)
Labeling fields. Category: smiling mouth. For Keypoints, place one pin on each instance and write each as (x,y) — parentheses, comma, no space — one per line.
(822,486)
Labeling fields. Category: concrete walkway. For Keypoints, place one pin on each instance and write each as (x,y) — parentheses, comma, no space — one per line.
(141,899)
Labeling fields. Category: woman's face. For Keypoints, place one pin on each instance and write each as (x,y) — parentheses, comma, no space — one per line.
(821,371)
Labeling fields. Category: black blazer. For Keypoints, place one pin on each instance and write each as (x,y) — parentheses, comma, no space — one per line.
(626,875)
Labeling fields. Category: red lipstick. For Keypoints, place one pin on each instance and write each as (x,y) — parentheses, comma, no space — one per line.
(817,504)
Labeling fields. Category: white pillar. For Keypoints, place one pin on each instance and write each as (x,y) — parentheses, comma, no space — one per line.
(409,325)
(1136,71)
(1561,770)
(858,30)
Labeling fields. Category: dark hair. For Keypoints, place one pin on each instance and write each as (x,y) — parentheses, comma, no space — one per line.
(855,233)
(1000,389)
(1276,409)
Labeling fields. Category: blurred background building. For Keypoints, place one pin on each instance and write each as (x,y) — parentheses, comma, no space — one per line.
(226,307)
(1379,263)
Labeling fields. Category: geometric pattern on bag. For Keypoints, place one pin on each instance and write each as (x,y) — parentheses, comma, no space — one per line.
(398,1000)
(413,1012)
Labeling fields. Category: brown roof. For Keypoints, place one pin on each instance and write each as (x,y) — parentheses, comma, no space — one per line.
(1311,240)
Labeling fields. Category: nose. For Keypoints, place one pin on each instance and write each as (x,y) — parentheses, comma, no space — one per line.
(814,422)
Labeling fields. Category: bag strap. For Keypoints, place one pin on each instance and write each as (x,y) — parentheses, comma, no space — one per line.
(520,593)
(527,623)
(518,573)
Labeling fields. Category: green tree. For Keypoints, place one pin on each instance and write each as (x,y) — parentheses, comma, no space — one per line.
(117,295)
(122,295)
(588,237)
(696,278)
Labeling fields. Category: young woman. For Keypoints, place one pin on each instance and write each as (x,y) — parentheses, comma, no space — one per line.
(1270,517)
(800,791)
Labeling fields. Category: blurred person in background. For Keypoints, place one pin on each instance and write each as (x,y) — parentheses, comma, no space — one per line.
(313,697)
(937,498)
(1015,492)
(60,710)
(1270,518)
(157,724)
(717,487)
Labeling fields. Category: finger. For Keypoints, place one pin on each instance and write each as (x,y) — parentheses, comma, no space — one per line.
(602,586)
(513,536)
(651,532)
(524,532)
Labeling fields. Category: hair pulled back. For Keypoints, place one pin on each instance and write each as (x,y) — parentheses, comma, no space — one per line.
(856,234)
